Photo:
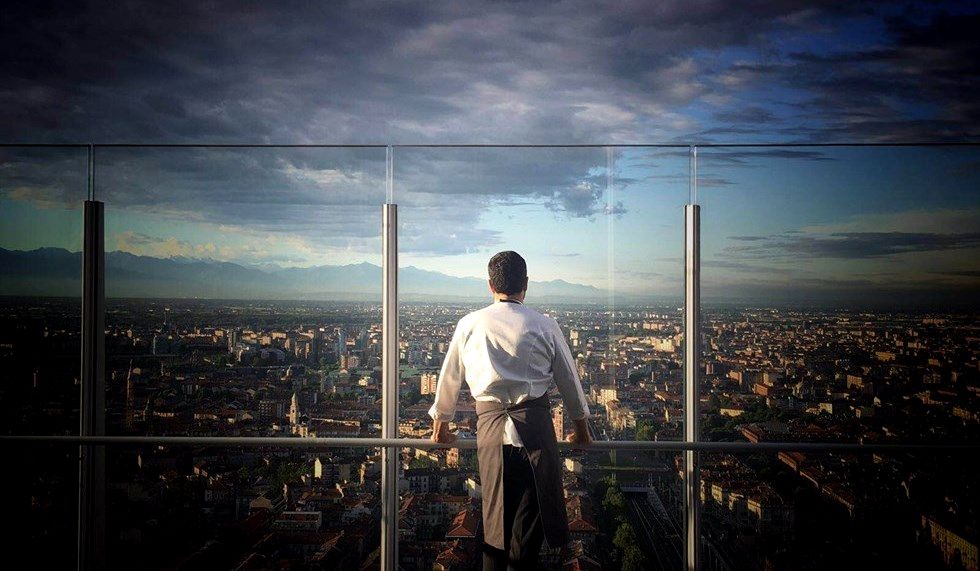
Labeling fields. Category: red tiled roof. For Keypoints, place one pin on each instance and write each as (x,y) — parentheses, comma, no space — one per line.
(455,555)
(465,524)
(582,563)
(579,511)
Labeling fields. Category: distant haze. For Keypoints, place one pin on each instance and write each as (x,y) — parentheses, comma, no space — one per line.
(55,271)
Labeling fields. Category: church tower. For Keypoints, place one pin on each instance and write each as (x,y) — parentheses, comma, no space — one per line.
(294,411)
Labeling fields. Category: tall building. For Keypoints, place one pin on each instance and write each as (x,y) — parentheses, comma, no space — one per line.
(428,383)
(294,411)
(558,418)
(232,339)
(317,344)
(607,394)
(341,341)
(130,404)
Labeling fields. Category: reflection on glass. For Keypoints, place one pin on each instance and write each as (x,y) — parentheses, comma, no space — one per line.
(636,501)
(840,290)
(243,290)
(795,510)
(601,230)
(41,196)
(43,491)
(242,508)
(624,511)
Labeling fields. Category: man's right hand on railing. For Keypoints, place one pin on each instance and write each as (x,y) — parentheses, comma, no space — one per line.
(441,434)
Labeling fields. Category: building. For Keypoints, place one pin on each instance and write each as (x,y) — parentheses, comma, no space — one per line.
(428,383)
(294,410)
(341,347)
(558,419)
(953,545)
(270,409)
(298,521)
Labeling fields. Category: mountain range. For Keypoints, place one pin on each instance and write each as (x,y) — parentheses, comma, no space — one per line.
(57,272)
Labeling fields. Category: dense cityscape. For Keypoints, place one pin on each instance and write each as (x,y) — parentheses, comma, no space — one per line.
(308,369)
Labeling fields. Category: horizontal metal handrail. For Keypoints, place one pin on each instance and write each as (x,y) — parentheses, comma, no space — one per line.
(469,443)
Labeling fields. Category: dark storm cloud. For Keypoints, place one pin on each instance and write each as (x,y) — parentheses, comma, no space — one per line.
(461,72)
(747,156)
(961,273)
(738,155)
(48,178)
(848,245)
(322,195)
(753,115)
(329,197)
(752,269)
(933,64)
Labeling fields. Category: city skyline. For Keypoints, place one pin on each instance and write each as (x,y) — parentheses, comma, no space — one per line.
(312,370)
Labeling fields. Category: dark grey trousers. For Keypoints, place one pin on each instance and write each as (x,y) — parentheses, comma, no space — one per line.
(523,531)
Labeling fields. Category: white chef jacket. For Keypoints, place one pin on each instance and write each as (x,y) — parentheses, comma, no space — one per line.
(509,353)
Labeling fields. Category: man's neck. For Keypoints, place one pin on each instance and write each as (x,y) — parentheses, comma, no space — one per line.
(507,298)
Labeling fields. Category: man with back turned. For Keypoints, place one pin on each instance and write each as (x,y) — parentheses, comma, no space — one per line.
(509,354)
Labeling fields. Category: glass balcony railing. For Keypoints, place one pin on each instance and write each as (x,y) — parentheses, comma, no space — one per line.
(41,284)
(261,411)
(838,283)
(222,507)
(239,278)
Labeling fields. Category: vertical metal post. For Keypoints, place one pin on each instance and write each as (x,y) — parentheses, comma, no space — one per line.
(692,355)
(389,402)
(91,477)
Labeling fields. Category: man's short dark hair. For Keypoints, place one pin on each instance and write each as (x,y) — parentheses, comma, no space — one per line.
(507,272)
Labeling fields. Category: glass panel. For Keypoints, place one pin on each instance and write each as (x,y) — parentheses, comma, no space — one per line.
(645,307)
(602,233)
(440,519)
(623,508)
(43,490)
(240,282)
(41,195)
(242,508)
(840,289)
(793,510)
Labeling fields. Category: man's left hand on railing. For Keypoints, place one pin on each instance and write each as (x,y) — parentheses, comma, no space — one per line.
(581,437)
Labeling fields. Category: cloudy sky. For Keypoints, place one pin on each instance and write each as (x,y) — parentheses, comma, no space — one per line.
(783,222)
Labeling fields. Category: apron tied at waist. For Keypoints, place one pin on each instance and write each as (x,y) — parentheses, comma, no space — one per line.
(533,421)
